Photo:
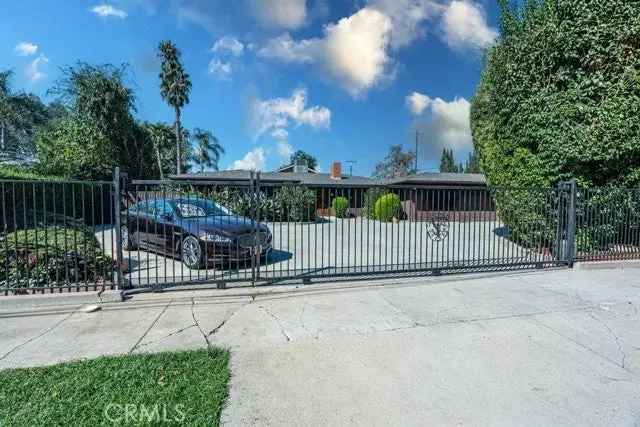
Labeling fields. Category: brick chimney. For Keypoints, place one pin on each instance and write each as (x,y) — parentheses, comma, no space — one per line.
(336,170)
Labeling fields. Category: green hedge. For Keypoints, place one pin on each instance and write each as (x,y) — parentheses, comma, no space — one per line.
(26,205)
(388,207)
(52,256)
(340,206)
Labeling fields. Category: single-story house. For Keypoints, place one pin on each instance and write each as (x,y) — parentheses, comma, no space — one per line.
(421,194)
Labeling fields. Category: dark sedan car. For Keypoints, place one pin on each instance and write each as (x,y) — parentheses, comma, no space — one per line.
(198,231)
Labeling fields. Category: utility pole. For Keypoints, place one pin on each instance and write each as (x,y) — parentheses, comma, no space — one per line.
(416,152)
(351,163)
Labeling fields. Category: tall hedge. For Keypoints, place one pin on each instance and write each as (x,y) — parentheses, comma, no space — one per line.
(559,97)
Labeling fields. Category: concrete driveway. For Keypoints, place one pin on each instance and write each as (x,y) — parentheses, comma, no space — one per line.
(355,244)
(557,347)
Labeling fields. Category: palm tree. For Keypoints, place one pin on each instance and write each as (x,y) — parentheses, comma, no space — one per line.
(175,87)
(158,137)
(208,150)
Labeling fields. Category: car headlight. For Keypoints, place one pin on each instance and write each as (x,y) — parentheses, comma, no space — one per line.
(217,238)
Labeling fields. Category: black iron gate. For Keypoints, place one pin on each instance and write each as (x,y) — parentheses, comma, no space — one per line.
(259,231)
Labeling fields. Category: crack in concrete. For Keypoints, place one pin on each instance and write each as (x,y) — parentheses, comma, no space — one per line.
(225,320)
(278,321)
(45,332)
(615,337)
(166,336)
(304,325)
(583,346)
(193,315)
(150,327)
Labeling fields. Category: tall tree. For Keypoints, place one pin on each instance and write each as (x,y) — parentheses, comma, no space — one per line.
(6,110)
(448,163)
(312,162)
(21,115)
(397,163)
(98,96)
(175,87)
(158,135)
(473,164)
(207,150)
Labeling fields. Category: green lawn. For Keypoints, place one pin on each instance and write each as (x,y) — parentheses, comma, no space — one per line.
(153,389)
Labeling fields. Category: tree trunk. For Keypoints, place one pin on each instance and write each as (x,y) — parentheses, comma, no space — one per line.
(178,139)
(155,146)
(2,136)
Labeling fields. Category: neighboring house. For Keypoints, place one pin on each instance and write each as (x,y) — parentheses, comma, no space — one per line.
(420,194)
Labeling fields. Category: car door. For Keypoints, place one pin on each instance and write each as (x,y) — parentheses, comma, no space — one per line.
(137,222)
(164,227)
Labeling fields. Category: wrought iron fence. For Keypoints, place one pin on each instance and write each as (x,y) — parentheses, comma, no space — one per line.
(54,236)
(72,235)
(607,224)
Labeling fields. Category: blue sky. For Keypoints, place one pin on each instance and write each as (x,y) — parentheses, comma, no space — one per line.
(341,79)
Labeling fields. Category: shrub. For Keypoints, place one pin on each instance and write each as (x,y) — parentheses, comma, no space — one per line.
(289,203)
(52,256)
(558,97)
(296,203)
(371,196)
(388,207)
(340,205)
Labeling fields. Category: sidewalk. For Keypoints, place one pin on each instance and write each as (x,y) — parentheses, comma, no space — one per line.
(555,347)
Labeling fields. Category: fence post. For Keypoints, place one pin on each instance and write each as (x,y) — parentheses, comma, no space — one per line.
(252,210)
(571,224)
(118,228)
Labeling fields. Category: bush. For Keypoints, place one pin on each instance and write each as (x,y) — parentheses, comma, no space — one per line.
(288,203)
(340,205)
(24,173)
(388,207)
(558,98)
(296,203)
(371,196)
(52,256)
(30,205)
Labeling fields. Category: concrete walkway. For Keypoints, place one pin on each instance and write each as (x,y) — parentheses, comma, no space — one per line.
(541,348)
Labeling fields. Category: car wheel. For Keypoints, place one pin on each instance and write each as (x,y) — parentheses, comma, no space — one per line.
(191,252)
(128,243)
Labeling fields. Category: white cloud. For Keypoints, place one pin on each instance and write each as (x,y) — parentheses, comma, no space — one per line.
(34,69)
(229,44)
(284,14)
(464,25)
(280,134)
(353,52)
(274,116)
(284,150)
(26,49)
(286,49)
(407,18)
(444,124)
(417,102)
(220,69)
(253,160)
(106,10)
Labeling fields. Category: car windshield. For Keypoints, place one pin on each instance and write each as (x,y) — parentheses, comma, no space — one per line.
(199,208)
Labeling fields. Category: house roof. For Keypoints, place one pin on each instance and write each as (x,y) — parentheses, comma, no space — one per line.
(324,179)
(290,168)
(441,179)
(319,179)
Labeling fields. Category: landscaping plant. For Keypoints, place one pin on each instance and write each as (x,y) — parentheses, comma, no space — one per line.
(340,206)
(388,207)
